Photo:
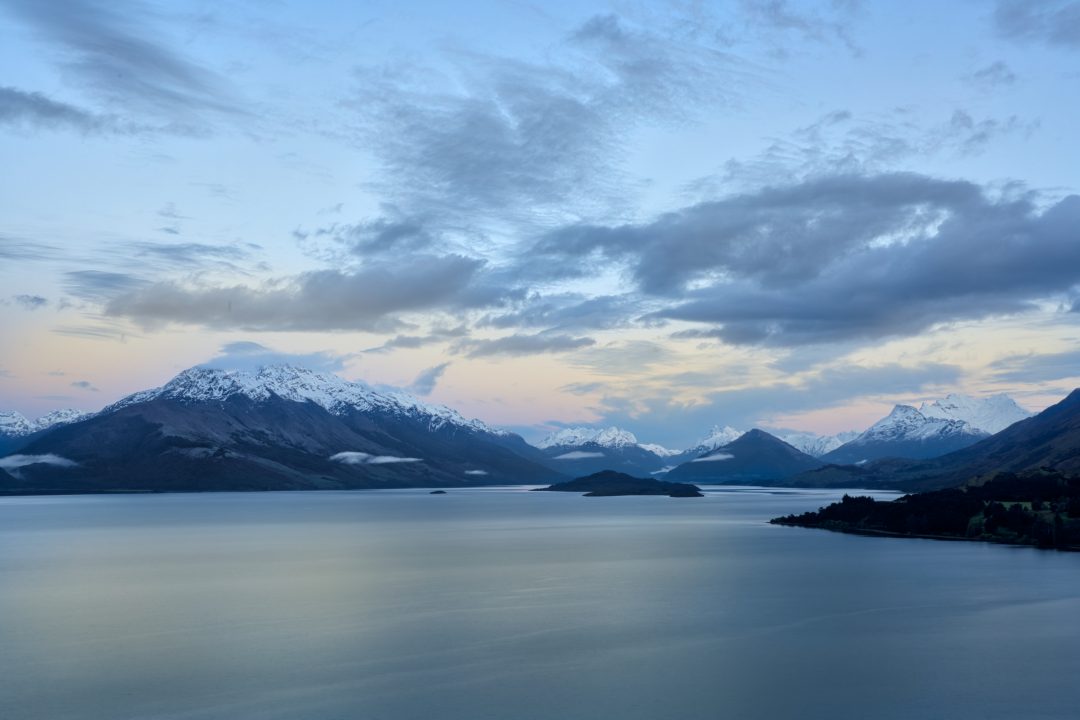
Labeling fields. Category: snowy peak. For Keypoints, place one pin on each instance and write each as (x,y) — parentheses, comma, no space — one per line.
(659,450)
(332,393)
(611,437)
(13,424)
(990,414)
(907,423)
(816,445)
(718,437)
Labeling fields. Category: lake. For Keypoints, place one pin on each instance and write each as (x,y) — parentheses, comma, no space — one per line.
(503,604)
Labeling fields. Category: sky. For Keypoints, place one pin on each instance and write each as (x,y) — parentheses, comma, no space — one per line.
(658,215)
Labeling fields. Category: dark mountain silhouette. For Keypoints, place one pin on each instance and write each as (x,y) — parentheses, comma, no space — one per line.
(755,457)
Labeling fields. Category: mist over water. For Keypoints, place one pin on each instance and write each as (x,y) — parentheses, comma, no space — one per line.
(499,603)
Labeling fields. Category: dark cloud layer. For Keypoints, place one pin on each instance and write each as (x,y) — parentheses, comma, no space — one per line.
(33,110)
(365,299)
(840,257)
(1056,22)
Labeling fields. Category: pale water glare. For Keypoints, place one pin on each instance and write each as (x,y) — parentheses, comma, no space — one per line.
(499,603)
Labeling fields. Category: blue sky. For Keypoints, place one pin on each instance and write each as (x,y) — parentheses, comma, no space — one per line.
(661,215)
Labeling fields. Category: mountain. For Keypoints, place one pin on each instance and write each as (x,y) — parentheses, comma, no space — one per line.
(16,429)
(584,451)
(908,433)
(280,428)
(990,414)
(1049,440)
(752,458)
(816,445)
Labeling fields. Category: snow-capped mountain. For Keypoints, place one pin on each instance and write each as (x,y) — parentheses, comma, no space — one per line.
(584,450)
(13,424)
(16,429)
(717,437)
(816,445)
(990,414)
(752,457)
(330,392)
(610,437)
(279,428)
(906,432)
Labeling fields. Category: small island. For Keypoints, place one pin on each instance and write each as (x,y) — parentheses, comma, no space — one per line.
(437,492)
(1040,508)
(609,483)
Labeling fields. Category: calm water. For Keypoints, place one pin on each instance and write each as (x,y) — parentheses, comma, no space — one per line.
(504,604)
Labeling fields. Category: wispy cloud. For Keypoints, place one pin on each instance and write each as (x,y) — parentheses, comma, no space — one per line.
(520,344)
(124,59)
(425,382)
(520,141)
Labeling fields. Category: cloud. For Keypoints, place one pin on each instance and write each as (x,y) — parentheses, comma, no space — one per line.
(476,472)
(1055,22)
(12,250)
(99,285)
(841,257)
(33,110)
(30,302)
(826,24)
(425,382)
(126,61)
(578,455)
(523,345)
(518,140)
(251,356)
(369,299)
(716,457)
(360,458)
(411,342)
(841,142)
(568,312)
(84,385)
(1033,367)
(653,411)
(996,74)
(14,462)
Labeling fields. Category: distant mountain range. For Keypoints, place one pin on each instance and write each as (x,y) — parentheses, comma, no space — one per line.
(585,451)
(289,428)
(15,428)
(281,428)
(1048,440)
(753,457)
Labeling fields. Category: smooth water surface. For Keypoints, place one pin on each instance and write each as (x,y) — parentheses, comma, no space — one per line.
(504,604)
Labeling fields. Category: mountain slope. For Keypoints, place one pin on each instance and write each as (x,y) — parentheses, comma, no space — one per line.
(754,457)
(1050,440)
(990,414)
(585,451)
(16,430)
(281,428)
(908,433)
